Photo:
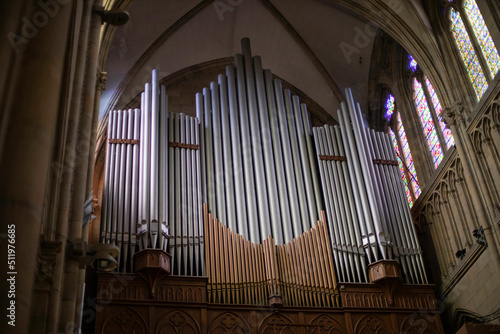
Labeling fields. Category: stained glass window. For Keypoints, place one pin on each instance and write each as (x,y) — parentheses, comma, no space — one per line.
(448,137)
(427,122)
(412,63)
(468,54)
(389,106)
(483,36)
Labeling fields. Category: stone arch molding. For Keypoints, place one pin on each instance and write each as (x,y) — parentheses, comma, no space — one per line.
(229,323)
(125,320)
(177,322)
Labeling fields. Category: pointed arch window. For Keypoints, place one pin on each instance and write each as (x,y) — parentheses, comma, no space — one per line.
(439,138)
(402,148)
(475,45)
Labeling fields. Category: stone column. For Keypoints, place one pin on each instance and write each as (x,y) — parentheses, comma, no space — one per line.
(72,271)
(34,106)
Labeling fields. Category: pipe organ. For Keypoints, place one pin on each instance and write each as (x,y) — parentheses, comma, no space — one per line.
(249,195)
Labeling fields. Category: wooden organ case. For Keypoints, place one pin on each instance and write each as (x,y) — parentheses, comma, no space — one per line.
(244,219)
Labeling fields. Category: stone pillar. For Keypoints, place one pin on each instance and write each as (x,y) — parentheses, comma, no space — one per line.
(35,92)
(72,271)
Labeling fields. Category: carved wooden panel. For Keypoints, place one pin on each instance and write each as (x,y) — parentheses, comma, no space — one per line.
(177,322)
(326,324)
(125,320)
(229,323)
(373,324)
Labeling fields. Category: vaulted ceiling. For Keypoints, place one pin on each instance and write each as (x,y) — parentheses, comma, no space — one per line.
(319,46)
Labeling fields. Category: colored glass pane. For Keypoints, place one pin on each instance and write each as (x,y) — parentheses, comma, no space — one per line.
(448,137)
(468,54)
(412,63)
(483,36)
(427,122)
(407,157)
(401,168)
(389,106)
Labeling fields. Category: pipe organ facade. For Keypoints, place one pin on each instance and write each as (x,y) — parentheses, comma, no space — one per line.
(250,197)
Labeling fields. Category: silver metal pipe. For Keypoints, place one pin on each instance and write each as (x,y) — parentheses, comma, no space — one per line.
(299,178)
(288,160)
(107,193)
(218,157)
(345,243)
(116,184)
(121,186)
(142,143)
(258,163)
(303,157)
(312,160)
(178,193)
(246,145)
(392,205)
(368,238)
(394,179)
(172,190)
(111,183)
(271,187)
(331,209)
(278,161)
(188,204)
(154,162)
(352,210)
(201,125)
(238,179)
(184,231)
(128,189)
(135,187)
(199,221)
(227,154)
(367,184)
(196,219)
(145,228)
(209,153)
(163,175)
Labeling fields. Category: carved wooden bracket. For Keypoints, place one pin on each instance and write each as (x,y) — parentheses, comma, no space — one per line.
(387,274)
(152,265)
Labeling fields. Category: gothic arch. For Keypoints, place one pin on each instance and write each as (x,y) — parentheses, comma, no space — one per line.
(327,325)
(177,322)
(229,323)
(372,324)
(125,320)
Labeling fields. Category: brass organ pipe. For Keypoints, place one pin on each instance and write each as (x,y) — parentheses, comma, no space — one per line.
(304,213)
(219,181)
(227,154)
(246,144)
(271,186)
(341,233)
(316,245)
(128,189)
(218,263)
(312,258)
(208,247)
(278,161)
(213,261)
(237,164)
(153,187)
(107,200)
(238,279)
(367,235)
(308,275)
(116,176)
(188,233)
(311,158)
(355,210)
(244,263)
(256,139)
(350,224)
(135,186)
(288,159)
(331,279)
(304,163)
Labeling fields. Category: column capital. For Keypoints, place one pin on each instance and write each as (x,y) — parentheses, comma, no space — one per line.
(100,83)
(453,115)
